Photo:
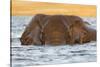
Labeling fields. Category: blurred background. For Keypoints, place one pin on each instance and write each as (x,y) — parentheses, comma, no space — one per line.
(32,7)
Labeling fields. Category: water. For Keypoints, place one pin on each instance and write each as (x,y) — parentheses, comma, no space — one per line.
(23,56)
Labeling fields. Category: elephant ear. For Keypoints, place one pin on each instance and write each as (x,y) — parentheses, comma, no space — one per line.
(82,25)
(40,18)
(36,21)
(32,26)
(79,25)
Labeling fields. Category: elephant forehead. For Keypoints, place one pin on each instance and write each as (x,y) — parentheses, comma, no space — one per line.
(54,25)
(57,33)
(54,30)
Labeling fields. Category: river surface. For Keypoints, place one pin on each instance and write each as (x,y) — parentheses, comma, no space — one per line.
(24,56)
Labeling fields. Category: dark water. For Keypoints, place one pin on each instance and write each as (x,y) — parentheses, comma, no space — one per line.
(39,55)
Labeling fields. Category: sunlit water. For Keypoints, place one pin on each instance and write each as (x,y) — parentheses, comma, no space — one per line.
(39,55)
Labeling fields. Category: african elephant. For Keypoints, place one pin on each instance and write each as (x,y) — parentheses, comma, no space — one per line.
(57,30)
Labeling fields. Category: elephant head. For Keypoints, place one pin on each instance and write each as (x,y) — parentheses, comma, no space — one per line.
(57,30)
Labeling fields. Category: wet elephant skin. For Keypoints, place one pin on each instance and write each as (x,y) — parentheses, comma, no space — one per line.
(57,30)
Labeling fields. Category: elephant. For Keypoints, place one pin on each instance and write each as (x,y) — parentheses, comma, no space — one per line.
(57,30)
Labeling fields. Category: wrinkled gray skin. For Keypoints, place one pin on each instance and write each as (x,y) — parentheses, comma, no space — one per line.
(57,30)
